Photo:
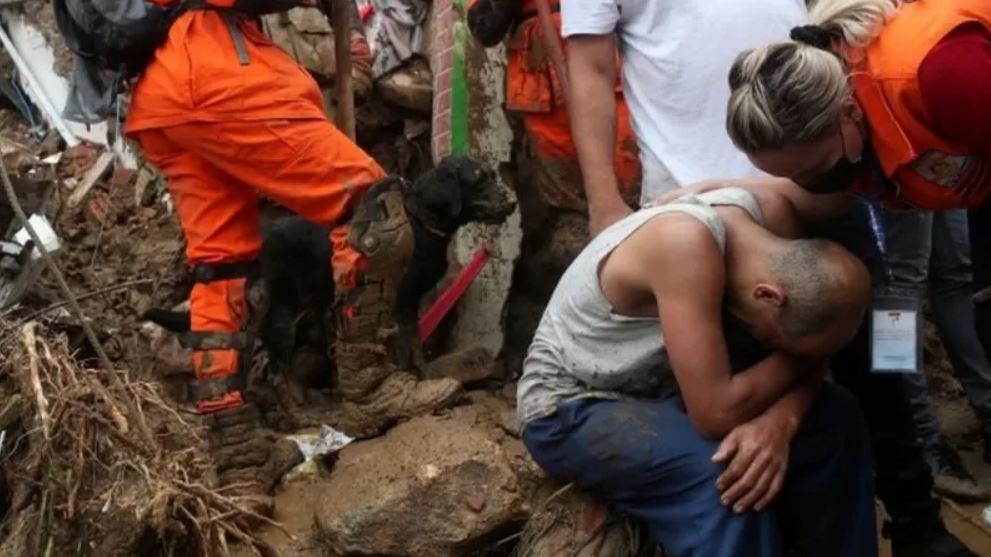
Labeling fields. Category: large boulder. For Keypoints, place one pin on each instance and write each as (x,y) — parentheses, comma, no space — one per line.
(436,486)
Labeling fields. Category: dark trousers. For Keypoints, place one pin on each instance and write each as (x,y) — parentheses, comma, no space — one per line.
(645,458)
(980,256)
(902,478)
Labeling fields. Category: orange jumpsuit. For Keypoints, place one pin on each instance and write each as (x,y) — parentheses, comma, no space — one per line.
(224,124)
(532,88)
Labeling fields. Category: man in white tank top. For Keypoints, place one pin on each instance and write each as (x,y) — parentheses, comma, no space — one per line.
(639,317)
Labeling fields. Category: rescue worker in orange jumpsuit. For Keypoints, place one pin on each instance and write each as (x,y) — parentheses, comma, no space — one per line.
(226,115)
(555,225)
(533,90)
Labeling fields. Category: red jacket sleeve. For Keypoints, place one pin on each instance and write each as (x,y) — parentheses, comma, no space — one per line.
(955,82)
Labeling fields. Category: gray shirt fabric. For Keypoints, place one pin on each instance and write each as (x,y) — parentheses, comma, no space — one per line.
(584,349)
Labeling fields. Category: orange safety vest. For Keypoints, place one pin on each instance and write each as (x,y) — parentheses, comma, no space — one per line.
(924,166)
(531,82)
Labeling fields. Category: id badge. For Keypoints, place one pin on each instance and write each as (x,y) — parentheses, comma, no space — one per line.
(896,325)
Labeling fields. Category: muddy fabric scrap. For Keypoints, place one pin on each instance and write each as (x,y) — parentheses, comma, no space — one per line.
(394,29)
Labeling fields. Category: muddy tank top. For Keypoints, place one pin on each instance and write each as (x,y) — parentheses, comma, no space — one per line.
(584,349)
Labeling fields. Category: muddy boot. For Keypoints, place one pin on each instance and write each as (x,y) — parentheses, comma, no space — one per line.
(376,394)
(950,476)
(249,459)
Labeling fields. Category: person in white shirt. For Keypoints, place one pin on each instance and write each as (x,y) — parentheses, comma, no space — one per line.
(675,58)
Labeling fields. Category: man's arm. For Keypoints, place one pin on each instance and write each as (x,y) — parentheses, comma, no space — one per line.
(810,207)
(592,76)
(686,273)
(756,453)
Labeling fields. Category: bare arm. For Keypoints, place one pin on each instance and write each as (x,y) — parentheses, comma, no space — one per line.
(592,75)
(756,453)
(790,410)
(809,207)
(686,273)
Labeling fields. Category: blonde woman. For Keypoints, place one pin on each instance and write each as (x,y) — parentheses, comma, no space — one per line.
(887,100)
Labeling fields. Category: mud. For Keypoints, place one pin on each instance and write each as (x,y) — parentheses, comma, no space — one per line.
(961,427)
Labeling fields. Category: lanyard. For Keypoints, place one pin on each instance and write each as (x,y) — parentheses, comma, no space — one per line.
(873,201)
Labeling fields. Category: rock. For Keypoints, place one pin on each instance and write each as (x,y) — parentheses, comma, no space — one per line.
(409,87)
(431,487)
(467,366)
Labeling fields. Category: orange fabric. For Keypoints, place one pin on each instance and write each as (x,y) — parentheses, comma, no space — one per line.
(550,135)
(227,400)
(886,86)
(217,306)
(532,84)
(347,263)
(532,88)
(216,170)
(196,77)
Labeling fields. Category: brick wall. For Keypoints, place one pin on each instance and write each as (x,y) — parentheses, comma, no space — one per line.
(442,64)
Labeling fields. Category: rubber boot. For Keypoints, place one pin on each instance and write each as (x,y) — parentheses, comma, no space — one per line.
(375,392)
(249,459)
(400,395)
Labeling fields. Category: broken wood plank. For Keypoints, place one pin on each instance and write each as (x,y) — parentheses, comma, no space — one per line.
(93,175)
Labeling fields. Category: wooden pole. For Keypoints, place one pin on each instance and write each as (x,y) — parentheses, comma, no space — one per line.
(340,15)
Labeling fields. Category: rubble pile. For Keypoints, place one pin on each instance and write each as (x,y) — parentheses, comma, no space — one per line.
(96,462)
(112,462)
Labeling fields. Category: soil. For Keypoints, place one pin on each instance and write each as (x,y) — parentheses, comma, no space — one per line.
(961,427)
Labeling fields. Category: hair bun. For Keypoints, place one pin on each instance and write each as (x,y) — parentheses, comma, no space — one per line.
(812,35)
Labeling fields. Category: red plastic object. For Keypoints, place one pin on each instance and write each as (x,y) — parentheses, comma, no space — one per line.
(454,291)
(365,12)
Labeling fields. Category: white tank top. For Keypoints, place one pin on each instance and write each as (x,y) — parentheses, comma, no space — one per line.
(582,348)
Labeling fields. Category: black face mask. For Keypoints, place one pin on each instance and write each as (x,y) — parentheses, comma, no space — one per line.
(838,178)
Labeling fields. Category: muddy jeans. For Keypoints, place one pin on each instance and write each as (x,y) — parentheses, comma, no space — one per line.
(932,249)
(645,458)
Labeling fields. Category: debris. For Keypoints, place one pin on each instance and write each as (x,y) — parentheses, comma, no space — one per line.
(24,271)
(94,174)
(328,440)
(409,87)
(394,29)
(95,466)
(38,92)
(45,232)
(467,366)
(568,522)
(431,487)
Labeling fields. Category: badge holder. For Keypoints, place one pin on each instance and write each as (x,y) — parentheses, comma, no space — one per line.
(896,326)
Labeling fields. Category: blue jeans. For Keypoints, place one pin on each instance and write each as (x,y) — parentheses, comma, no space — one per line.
(645,458)
(929,253)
